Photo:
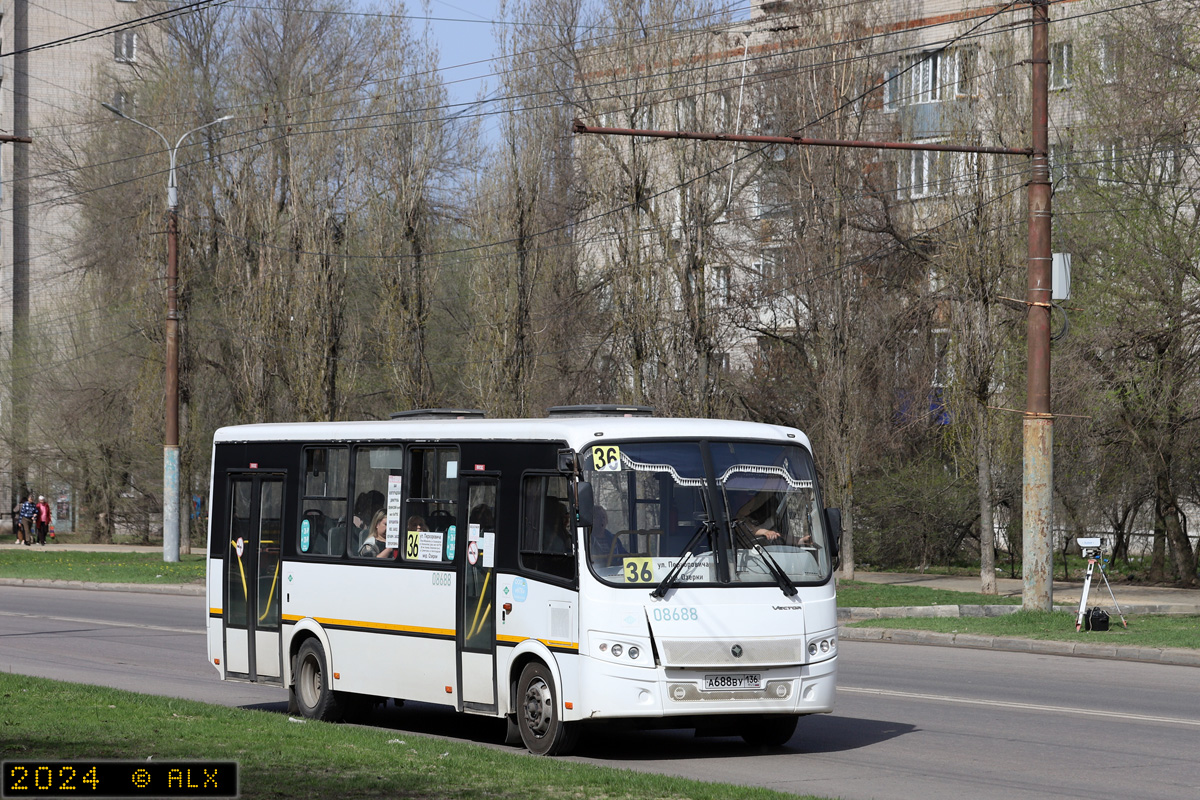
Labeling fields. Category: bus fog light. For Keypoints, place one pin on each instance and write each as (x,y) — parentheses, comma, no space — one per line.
(781,690)
(617,649)
(634,652)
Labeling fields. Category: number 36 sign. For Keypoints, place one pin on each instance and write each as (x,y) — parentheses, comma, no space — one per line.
(606,458)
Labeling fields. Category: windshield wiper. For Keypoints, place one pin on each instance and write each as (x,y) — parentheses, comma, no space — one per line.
(785,583)
(706,527)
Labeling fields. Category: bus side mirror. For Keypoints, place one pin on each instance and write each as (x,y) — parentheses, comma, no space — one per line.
(833,524)
(585,503)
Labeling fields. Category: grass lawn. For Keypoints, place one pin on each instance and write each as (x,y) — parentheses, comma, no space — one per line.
(1144,630)
(857,594)
(283,759)
(48,563)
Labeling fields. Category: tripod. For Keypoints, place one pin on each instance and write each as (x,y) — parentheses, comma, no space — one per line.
(1094,558)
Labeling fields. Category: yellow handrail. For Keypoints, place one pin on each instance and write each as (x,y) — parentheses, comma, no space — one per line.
(482,594)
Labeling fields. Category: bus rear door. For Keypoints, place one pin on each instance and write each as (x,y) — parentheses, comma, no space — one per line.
(252,575)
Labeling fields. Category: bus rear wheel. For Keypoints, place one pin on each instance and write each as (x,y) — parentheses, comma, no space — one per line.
(542,728)
(769,731)
(313,696)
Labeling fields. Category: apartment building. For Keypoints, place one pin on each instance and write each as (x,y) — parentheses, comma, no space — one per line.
(936,72)
(61,58)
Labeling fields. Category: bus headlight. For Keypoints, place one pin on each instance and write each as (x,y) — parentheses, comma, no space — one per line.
(824,646)
(616,649)
(634,652)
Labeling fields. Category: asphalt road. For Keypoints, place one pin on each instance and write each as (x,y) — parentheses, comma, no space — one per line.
(911,722)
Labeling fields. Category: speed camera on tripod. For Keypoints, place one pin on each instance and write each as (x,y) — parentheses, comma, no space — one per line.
(1091,546)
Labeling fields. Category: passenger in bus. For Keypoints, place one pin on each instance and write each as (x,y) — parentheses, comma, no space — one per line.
(365,507)
(558,524)
(376,546)
(483,516)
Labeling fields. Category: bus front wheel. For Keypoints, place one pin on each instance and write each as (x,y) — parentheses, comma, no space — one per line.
(542,728)
(313,696)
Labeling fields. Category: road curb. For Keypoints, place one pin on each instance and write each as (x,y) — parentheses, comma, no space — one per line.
(861,614)
(1177,657)
(141,588)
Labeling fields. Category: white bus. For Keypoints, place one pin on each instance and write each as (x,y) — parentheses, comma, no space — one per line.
(597,565)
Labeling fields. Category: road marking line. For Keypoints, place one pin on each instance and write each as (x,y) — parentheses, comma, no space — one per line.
(107,624)
(1087,712)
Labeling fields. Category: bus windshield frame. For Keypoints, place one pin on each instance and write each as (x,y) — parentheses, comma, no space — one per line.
(705,513)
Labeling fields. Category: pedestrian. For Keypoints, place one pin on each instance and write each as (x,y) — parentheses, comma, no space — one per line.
(43,520)
(27,514)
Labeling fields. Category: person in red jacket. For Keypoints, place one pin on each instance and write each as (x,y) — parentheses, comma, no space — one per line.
(43,520)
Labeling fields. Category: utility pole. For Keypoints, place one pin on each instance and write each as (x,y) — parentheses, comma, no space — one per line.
(19,366)
(171,498)
(1038,482)
(1038,432)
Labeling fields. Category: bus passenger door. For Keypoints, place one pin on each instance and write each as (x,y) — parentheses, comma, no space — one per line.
(477,611)
(252,575)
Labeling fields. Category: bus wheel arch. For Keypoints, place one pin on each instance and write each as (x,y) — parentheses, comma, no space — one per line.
(539,712)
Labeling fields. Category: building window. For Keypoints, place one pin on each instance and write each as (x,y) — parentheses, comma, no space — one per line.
(923,78)
(922,174)
(1060,165)
(125,47)
(931,77)
(961,66)
(722,290)
(1062,57)
(1110,161)
(891,90)
(124,101)
(1109,59)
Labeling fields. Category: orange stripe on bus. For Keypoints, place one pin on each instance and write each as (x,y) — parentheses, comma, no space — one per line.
(379,626)
(547,642)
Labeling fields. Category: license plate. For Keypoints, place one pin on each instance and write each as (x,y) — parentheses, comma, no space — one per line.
(747,680)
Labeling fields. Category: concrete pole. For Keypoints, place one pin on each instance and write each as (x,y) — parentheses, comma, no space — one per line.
(1038,482)
(171,439)
(171,435)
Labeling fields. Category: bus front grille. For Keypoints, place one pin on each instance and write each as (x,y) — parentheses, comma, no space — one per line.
(730,653)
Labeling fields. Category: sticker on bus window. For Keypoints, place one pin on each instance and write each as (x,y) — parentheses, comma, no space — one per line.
(606,458)
(639,570)
(304,536)
(423,546)
(451,535)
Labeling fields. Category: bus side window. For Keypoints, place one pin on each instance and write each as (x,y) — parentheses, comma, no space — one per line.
(375,466)
(326,477)
(431,505)
(547,536)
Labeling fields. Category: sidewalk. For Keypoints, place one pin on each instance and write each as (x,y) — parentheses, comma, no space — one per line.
(1133,600)
(9,543)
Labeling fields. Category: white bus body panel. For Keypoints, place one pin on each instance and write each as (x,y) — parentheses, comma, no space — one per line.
(544,621)
(359,609)
(213,614)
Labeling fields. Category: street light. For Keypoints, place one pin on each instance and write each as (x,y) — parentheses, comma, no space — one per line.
(171,439)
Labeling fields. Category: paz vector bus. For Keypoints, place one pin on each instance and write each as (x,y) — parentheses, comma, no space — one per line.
(597,565)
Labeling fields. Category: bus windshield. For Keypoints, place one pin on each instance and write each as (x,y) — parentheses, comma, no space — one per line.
(756,517)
